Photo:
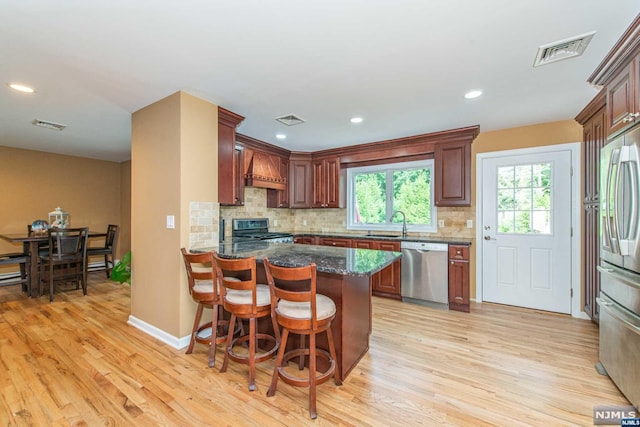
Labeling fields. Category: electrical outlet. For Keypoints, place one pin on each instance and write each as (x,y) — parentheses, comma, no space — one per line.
(469,223)
(441,223)
(304,222)
(171,221)
(275,222)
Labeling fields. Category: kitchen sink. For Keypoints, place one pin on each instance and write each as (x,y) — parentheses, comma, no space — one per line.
(382,235)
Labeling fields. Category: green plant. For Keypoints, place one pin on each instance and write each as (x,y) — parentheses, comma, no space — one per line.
(121,272)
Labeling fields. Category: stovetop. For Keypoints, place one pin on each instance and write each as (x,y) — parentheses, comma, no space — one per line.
(247,229)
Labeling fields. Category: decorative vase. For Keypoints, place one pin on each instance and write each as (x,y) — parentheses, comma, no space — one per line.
(59,218)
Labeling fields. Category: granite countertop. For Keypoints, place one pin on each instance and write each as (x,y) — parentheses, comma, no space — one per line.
(398,237)
(328,259)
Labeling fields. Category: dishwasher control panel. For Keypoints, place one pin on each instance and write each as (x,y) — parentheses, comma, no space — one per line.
(425,246)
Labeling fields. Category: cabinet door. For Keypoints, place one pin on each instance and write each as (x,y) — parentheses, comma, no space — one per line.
(300,183)
(459,277)
(319,184)
(280,198)
(332,178)
(591,249)
(594,139)
(459,285)
(452,162)
(622,99)
(305,240)
(364,244)
(326,183)
(230,160)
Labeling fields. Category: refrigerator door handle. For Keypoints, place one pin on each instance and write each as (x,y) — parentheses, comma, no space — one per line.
(628,239)
(615,230)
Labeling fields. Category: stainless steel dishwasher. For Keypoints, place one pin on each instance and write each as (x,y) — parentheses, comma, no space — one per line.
(425,276)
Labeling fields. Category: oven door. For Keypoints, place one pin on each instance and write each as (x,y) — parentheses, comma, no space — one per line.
(620,347)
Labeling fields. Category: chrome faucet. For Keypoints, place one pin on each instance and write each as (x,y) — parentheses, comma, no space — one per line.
(404,222)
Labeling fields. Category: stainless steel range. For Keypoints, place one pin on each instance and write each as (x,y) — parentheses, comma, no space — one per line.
(256,229)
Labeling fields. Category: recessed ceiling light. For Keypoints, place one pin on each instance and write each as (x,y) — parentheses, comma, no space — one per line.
(473,94)
(356,119)
(20,88)
(281,136)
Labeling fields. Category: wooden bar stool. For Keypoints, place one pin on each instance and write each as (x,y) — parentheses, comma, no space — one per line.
(300,310)
(245,299)
(201,278)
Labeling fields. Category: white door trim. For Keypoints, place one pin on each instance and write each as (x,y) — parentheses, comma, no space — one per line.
(576,208)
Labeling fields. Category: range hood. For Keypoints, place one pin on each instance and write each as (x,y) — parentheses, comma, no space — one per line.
(263,171)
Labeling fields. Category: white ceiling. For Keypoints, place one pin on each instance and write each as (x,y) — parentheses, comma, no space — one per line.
(402,65)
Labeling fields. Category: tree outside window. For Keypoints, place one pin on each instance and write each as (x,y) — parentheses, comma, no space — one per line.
(376,192)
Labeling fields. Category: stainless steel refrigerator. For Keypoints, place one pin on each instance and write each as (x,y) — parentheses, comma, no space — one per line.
(619,298)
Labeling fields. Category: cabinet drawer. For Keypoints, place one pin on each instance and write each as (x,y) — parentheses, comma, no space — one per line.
(343,243)
(459,252)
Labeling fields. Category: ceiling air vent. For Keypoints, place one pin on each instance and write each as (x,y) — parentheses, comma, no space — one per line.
(563,49)
(290,120)
(48,125)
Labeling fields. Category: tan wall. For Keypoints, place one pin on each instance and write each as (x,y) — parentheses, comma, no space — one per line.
(36,182)
(539,135)
(174,144)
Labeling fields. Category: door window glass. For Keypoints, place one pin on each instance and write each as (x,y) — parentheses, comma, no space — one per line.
(524,198)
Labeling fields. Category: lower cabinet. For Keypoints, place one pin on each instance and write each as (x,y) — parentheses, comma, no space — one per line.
(459,278)
(305,240)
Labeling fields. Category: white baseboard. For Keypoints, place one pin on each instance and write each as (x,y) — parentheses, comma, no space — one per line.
(175,342)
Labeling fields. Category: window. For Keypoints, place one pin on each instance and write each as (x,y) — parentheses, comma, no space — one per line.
(524,199)
(376,192)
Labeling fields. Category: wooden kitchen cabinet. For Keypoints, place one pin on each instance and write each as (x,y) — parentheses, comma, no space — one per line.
(334,241)
(593,118)
(363,244)
(305,240)
(623,105)
(300,183)
(326,182)
(388,282)
(280,198)
(230,160)
(452,181)
(459,278)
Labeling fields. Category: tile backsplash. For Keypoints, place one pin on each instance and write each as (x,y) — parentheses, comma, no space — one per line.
(333,220)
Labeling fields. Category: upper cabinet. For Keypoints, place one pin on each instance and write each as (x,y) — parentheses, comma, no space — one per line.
(300,183)
(326,182)
(619,74)
(280,198)
(230,159)
(622,99)
(453,174)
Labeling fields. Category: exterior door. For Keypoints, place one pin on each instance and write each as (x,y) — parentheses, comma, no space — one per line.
(526,225)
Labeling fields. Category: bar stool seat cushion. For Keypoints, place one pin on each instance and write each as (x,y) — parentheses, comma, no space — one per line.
(263,296)
(325,308)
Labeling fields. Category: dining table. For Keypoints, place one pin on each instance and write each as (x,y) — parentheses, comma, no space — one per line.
(31,243)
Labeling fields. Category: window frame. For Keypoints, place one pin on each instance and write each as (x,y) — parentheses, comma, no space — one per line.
(390,168)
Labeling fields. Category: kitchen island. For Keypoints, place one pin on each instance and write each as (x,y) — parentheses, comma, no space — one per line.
(343,274)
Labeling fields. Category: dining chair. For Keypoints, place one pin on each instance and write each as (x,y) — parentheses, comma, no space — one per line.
(22,260)
(108,250)
(66,259)
(201,277)
(245,299)
(299,309)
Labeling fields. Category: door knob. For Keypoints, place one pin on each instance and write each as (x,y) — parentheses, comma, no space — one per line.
(487,237)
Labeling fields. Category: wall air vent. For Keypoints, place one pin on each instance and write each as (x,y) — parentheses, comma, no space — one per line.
(563,49)
(290,120)
(48,125)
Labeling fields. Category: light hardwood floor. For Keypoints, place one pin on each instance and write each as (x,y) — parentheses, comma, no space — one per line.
(76,362)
